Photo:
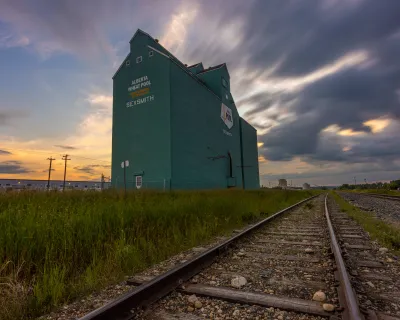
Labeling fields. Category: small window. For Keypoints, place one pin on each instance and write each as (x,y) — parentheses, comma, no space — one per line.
(139,59)
(128,63)
(151,53)
(139,182)
(224,83)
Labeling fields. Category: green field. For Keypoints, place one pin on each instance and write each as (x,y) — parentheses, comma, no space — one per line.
(55,247)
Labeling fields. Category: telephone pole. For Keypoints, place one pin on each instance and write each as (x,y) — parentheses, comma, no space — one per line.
(355,181)
(48,179)
(65,158)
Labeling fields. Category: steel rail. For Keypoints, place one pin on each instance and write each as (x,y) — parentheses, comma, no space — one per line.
(382,196)
(351,303)
(163,284)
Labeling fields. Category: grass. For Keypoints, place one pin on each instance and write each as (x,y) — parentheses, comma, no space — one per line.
(386,234)
(55,247)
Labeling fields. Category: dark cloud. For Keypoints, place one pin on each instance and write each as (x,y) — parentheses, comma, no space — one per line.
(81,28)
(105,166)
(86,169)
(65,147)
(347,99)
(90,169)
(309,34)
(5,118)
(282,41)
(13,167)
(306,35)
(262,102)
(8,116)
(5,152)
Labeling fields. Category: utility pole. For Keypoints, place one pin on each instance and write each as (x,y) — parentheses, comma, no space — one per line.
(65,158)
(355,181)
(48,179)
(102,182)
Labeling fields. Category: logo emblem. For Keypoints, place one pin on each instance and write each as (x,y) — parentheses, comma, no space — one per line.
(226,116)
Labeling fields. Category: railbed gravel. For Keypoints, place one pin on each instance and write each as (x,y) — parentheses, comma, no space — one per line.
(369,289)
(385,209)
(270,278)
(297,279)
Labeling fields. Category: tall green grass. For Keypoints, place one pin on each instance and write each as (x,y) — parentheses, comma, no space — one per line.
(55,247)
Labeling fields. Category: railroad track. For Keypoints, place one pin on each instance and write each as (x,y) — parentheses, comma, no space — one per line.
(383,196)
(288,266)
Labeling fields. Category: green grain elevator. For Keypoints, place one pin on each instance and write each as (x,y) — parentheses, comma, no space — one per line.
(178,126)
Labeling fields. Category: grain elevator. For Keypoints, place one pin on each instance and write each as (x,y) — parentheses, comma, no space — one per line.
(177,125)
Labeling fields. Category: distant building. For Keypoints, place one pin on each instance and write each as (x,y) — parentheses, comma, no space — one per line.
(26,184)
(306,186)
(178,125)
(282,183)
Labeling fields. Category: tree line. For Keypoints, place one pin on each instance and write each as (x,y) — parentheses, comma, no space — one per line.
(392,185)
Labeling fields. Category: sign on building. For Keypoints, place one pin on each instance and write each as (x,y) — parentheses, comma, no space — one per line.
(226,116)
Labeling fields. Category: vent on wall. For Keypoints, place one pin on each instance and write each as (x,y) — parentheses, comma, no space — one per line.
(151,53)
(139,59)
(128,63)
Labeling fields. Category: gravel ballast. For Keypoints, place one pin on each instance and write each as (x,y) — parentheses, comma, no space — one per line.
(385,209)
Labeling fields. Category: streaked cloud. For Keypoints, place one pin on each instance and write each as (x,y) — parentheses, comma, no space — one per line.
(13,167)
(10,40)
(319,84)
(65,147)
(176,30)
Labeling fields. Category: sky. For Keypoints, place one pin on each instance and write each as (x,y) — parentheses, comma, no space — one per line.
(319,80)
